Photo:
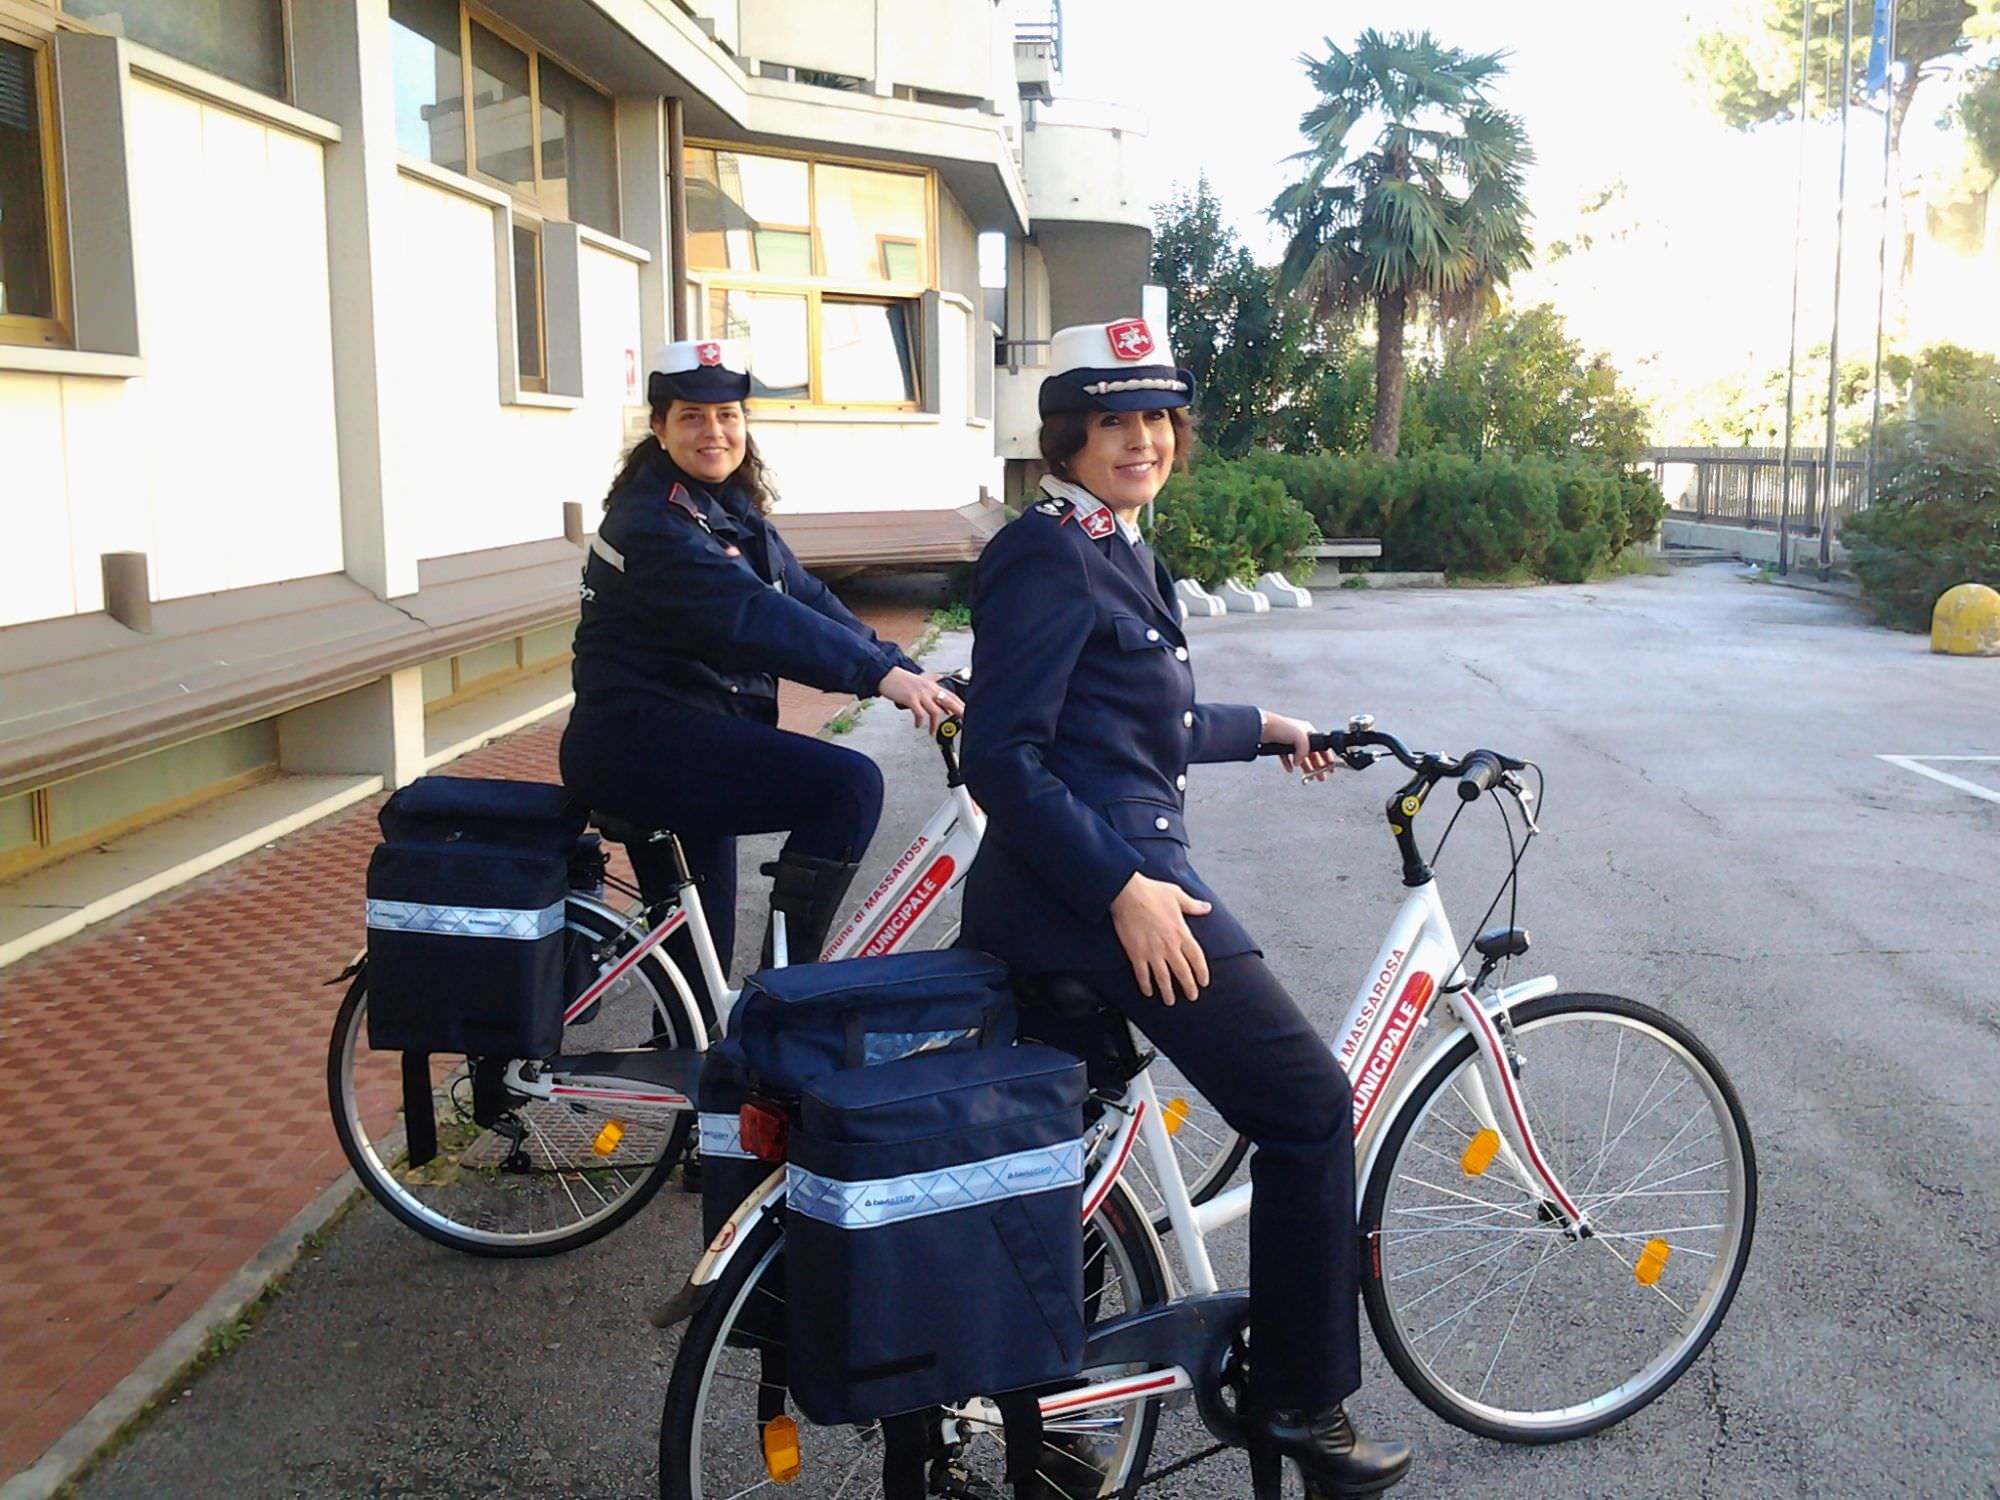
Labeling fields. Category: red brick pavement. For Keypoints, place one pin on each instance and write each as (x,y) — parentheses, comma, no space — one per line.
(163,1099)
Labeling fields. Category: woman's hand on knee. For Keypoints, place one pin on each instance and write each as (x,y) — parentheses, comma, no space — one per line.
(929,704)
(1150,918)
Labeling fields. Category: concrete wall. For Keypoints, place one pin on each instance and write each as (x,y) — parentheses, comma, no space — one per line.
(1086,162)
(463,470)
(939,46)
(219,463)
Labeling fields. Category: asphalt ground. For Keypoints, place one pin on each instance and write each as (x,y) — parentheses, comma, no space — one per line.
(1722,840)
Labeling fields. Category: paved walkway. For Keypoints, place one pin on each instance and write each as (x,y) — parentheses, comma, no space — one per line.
(163,1097)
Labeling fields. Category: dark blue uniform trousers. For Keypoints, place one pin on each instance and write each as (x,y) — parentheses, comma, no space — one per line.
(1253,1055)
(710,777)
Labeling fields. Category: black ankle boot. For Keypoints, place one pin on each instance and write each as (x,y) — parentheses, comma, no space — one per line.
(808,891)
(1334,1461)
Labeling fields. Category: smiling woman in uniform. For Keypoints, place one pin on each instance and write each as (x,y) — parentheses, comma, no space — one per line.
(1077,744)
(693,607)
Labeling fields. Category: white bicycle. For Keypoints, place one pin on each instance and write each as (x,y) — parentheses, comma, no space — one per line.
(1557,1194)
(541,1155)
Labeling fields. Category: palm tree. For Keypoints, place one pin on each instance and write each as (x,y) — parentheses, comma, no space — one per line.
(1429,211)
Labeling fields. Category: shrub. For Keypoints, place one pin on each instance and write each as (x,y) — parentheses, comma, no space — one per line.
(1936,518)
(1561,518)
(1225,520)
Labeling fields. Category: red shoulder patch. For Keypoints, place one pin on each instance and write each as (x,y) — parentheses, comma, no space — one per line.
(1099,524)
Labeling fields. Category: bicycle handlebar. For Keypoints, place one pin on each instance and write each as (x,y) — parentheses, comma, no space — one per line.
(1477,770)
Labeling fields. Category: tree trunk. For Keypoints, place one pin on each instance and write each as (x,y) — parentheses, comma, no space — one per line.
(1385,432)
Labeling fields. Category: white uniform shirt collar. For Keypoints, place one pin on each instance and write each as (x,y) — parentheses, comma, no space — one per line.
(1086,503)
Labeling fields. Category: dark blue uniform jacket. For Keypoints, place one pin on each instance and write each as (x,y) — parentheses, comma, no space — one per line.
(1078,735)
(692,595)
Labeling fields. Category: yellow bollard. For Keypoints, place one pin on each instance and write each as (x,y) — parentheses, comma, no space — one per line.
(1966,621)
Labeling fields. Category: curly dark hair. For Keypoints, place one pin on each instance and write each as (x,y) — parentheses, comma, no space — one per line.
(751,474)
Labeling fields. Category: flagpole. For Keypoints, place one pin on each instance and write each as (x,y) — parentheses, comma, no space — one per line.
(1882,248)
(1792,353)
(1833,343)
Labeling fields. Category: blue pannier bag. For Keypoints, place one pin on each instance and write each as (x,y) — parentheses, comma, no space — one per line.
(933,1239)
(799,1024)
(465,949)
(729,1172)
(533,815)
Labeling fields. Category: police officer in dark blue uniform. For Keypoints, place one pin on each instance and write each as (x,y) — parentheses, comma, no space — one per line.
(1077,744)
(693,607)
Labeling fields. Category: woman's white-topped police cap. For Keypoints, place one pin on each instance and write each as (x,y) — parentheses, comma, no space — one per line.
(707,371)
(1121,366)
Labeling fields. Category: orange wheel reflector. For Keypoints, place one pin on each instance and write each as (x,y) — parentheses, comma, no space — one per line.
(781,1450)
(1479,1152)
(1174,1114)
(1652,1261)
(608,1138)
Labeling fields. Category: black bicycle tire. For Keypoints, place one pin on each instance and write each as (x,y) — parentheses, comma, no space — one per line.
(1407,1368)
(640,1195)
(684,1387)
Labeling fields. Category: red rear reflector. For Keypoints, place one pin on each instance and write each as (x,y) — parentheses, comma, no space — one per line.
(766,1131)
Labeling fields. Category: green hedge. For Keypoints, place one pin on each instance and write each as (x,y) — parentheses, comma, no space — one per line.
(1935,522)
(1559,518)
(1224,521)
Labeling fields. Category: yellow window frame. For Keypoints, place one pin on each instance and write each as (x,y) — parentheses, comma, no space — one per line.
(21,328)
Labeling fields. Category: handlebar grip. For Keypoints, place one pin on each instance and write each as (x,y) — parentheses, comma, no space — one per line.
(1328,741)
(1480,770)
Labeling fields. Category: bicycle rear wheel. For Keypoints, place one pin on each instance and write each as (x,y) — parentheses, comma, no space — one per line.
(722,1391)
(536,1181)
(1495,1316)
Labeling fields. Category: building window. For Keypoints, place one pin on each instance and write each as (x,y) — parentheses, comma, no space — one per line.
(531,368)
(241,39)
(535,128)
(821,265)
(31,294)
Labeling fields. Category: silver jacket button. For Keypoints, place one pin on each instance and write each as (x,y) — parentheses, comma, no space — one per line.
(1187,719)
(1180,783)
(1162,824)
(1152,635)
(1180,653)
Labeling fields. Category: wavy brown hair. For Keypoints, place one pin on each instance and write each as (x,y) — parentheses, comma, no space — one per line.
(751,474)
(1064,433)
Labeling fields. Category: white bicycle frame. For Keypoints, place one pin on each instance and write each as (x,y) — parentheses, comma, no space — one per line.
(1378,1041)
(887,919)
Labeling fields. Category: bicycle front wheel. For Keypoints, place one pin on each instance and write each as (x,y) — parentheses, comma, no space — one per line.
(1492,1313)
(728,1383)
(535,1181)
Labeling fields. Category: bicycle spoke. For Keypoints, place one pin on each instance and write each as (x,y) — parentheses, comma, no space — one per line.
(1520,1302)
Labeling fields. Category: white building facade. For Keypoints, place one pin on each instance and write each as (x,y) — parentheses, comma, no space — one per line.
(324,323)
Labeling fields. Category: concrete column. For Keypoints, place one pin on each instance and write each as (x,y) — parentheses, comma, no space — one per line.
(343,72)
(645,218)
(377,730)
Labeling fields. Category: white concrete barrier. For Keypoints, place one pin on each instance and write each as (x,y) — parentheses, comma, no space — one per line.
(1283,593)
(1197,601)
(1242,600)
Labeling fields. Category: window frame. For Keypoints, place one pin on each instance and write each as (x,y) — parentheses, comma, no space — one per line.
(538,382)
(287,43)
(817,288)
(25,329)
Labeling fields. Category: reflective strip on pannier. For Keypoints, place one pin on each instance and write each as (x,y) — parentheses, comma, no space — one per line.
(893,1200)
(466,921)
(894,1046)
(722,1135)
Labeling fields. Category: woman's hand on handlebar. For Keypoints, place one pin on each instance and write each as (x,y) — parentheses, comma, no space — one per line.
(1279,730)
(929,704)
(1150,917)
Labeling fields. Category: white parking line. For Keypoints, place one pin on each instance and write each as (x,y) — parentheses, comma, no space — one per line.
(1916,763)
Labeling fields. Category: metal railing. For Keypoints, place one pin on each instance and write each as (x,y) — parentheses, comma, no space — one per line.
(1746,486)
(1045,30)
(1010,352)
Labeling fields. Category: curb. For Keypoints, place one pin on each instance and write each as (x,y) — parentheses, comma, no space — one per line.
(133,1396)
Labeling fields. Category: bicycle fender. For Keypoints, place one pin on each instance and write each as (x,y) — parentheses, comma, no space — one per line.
(766,1199)
(1433,1057)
